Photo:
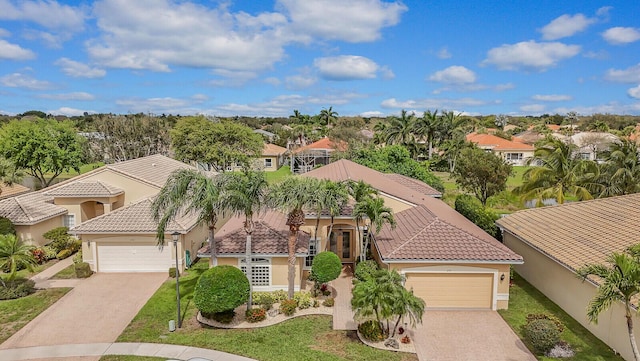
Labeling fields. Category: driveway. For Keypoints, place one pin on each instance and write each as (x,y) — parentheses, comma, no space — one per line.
(468,336)
(97,310)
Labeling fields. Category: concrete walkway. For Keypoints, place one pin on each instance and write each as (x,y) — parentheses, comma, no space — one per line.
(96,350)
(43,280)
(342,313)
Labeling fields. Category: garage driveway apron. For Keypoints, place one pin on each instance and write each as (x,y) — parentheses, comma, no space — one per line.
(467,336)
(97,310)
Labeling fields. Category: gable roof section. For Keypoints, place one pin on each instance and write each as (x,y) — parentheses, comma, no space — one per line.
(461,234)
(134,218)
(578,233)
(84,189)
(29,209)
(416,185)
(272,149)
(490,141)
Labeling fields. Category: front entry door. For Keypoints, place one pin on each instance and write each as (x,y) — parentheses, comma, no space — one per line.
(340,243)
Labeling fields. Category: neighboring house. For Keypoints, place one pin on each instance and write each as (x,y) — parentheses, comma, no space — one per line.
(313,155)
(592,144)
(267,135)
(272,158)
(556,241)
(514,151)
(109,210)
(8,191)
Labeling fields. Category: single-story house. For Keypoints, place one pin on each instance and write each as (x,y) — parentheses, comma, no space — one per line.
(272,158)
(515,151)
(556,241)
(109,210)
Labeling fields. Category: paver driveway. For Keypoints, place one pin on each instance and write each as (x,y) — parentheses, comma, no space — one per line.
(97,310)
(468,336)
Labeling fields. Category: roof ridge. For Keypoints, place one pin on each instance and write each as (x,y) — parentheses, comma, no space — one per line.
(17,200)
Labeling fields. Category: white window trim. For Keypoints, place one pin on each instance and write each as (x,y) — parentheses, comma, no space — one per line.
(317,242)
(66,222)
(268,163)
(258,261)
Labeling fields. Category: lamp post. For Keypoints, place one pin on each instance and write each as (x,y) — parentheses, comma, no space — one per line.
(175,235)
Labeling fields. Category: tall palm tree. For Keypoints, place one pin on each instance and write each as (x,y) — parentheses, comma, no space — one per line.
(14,254)
(558,175)
(380,132)
(426,128)
(621,170)
(378,214)
(186,191)
(360,191)
(292,195)
(328,115)
(619,282)
(400,130)
(244,195)
(330,196)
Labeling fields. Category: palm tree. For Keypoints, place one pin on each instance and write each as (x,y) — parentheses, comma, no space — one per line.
(244,195)
(426,128)
(400,130)
(360,191)
(328,115)
(559,174)
(186,191)
(621,170)
(619,281)
(291,196)
(378,214)
(331,197)
(380,132)
(9,174)
(14,254)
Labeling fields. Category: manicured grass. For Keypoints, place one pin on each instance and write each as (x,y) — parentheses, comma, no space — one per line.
(130,358)
(14,314)
(273,177)
(66,273)
(302,338)
(525,299)
(25,273)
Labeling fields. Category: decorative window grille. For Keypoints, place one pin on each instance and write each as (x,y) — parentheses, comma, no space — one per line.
(268,163)
(260,271)
(313,250)
(69,221)
(514,156)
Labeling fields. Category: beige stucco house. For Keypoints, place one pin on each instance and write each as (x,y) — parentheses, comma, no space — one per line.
(272,158)
(556,241)
(515,151)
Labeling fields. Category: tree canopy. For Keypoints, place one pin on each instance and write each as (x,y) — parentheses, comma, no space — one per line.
(482,173)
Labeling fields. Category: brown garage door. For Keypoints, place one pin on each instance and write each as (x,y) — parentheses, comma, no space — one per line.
(452,290)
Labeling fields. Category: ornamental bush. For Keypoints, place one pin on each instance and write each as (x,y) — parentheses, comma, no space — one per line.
(303,299)
(6,226)
(365,270)
(542,334)
(371,331)
(221,288)
(256,315)
(473,210)
(288,307)
(19,287)
(326,267)
(63,254)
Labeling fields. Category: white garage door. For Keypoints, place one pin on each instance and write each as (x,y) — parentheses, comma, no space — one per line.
(133,258)
(453,290)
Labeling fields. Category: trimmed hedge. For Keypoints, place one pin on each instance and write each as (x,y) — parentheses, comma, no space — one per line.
(542,334)
(83,270)
(326,267)
(221,288)
(472,209)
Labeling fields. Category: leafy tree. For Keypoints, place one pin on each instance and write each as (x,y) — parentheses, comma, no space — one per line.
(186,191)
(14,255)
(220,144)
(244,194)
(9,174)
(482,173)
(43,148)
(378,214)
(621,170)
(474,211)
(6,226)
(291,196)
(619,282)
(328,115)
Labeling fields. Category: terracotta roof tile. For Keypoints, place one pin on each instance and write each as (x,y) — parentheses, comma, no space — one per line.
(272,149)
(494,142)
(578,233)
(414,184)
(30,208)
(322,144)
(84,189)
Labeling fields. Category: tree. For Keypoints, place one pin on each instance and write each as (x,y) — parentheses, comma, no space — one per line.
(426,128)
(400,130)
(328,115)
(220,144)
(43,148)
(558,175)
(331,197)
(482,173)
(619,282)
(378,214)
(187,191)
(9,174)
(621,170)
(244,195)
(291,196)
(452,147)
(14,255)
(360,191)
(326,267)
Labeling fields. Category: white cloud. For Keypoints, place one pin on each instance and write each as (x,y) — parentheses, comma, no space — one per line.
(565,25)
(598,55)
(49,14)
(351,21)
(372,114)
(387,73)
(551,97)
(70,112)
(628,75)
(79,70)
(300,81)
(634,92)
(530,55)
(533,108)
(611,107)
(272,80)
(454,75)
(10,51)
(152,104)
(199,98)
(68,96)
(346,67)
(620,35)
(503,87)
(444,53)
(20,80)
(434,103)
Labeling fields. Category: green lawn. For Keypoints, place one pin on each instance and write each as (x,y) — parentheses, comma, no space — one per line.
(302,338)
(25,273)
(525,299)
(66,273)
(273,177)
(14,314)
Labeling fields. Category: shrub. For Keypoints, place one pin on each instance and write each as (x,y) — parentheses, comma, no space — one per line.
(303,299)
(544,316)
(78,257)
(74,244)
(561,350)
(542,334)
(83,270)
(222,317)
(39,255)
(371,331)
(57,234)
(288,307)
(264,299)
(256,315)
(279,295)
(63,254)
(6,226)
(329,302)
(19,287)
(172,272)
(365,270)
(221,288)
(316,303)
(472,209)
(326,267)
(49,252)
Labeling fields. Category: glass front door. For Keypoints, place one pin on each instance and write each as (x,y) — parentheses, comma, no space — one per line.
(340,243)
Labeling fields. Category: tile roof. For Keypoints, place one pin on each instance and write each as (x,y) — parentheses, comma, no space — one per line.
(461,234)
(414,184)
(270,236)
(272,149)
(30,208)
(322,144)
(134,218)
(154,169)
(12,190)
(496,143)
(578,233)
(84,189)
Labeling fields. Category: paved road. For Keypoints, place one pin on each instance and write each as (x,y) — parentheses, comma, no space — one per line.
(468,336)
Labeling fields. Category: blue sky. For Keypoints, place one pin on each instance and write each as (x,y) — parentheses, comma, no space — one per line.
(362,57)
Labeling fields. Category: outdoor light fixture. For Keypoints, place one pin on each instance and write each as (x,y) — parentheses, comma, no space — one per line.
(175,235)
(502,277)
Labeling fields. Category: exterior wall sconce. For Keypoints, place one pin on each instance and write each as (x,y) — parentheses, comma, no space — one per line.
(502,277)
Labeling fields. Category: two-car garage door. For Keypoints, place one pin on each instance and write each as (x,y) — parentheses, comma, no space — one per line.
(133,258)
(453,290)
